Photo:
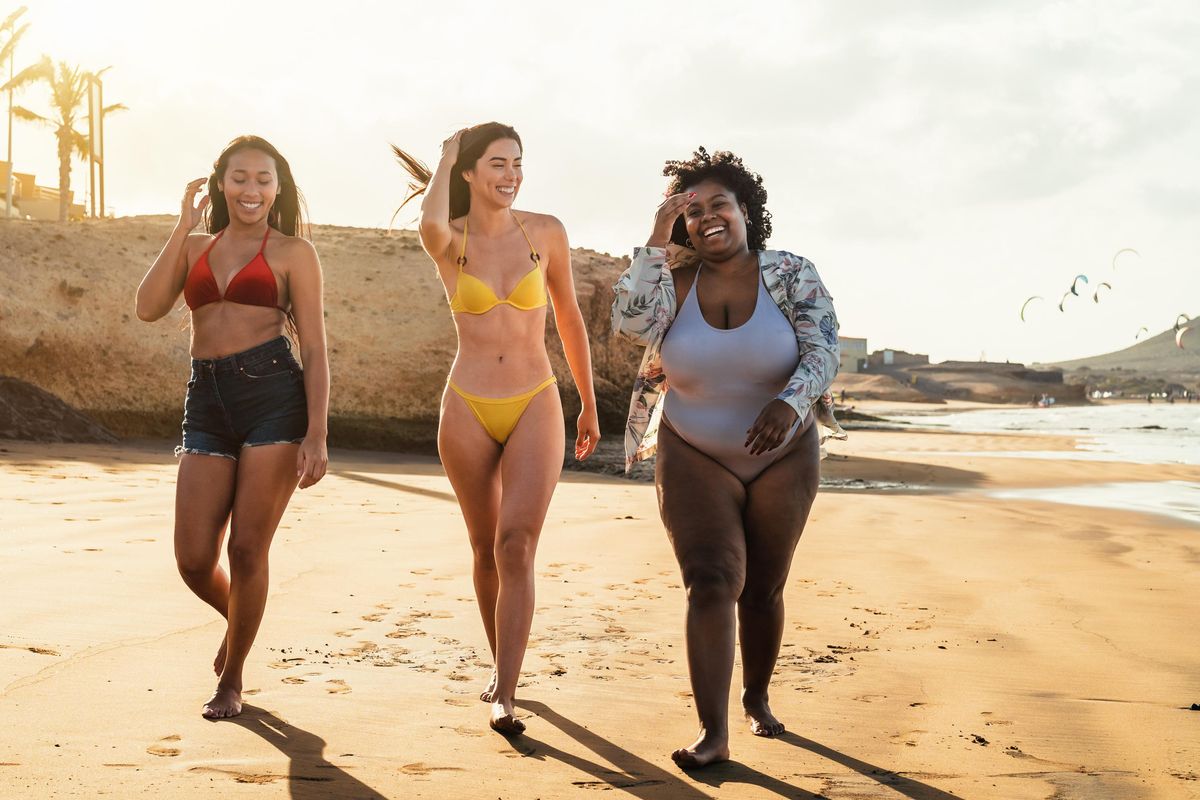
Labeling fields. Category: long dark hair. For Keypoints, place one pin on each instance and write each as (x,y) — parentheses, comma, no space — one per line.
(288,213)
(471,147)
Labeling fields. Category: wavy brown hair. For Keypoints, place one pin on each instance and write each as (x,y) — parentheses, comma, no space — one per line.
(287,214)
(474,142)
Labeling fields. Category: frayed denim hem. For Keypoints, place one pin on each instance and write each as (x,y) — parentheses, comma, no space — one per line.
(281,441)
(181,450)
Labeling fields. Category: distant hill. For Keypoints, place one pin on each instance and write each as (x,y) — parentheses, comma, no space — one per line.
(1158,354)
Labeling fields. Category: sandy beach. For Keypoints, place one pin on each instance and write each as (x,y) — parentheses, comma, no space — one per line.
(941,642)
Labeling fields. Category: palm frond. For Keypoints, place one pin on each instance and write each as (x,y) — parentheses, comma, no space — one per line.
(80,143)
(20,112)
(11,43)
(43,70)
(115,107)
(11,19)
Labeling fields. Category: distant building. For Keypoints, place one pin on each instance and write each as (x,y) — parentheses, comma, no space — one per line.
(31,201)
(854,353)
(896,358)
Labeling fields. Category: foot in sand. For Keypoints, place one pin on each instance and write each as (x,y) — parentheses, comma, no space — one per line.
(707,749)
(225,702)
(488,695)
(762,721)
(219,661)
(504,719)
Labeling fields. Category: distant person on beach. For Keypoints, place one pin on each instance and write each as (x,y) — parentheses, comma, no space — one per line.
(501,434)
(747,341)
(254,422)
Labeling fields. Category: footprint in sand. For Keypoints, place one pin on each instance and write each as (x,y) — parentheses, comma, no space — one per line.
(347,633)
(422,571)
(293,679)
(286,663)
(378,615)
(163,750)
(337,686)
(458,701)
(419,768)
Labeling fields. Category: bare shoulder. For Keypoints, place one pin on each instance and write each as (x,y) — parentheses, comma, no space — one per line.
(546,226)
(292,252)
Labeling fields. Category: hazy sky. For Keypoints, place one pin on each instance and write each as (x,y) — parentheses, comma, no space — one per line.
(938,161)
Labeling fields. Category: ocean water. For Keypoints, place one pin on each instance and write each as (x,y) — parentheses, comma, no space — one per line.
(1158,433)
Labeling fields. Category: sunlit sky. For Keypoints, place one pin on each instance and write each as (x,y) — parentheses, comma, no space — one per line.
(938,161)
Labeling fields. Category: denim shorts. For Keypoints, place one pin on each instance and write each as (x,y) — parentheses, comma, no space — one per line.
(250,398)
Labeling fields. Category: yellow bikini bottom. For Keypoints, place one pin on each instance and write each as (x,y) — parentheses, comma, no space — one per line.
(500,415)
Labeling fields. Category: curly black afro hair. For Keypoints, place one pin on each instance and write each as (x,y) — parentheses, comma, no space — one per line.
(728,170)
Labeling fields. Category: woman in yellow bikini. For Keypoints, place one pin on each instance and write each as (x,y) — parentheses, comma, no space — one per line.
(501,436)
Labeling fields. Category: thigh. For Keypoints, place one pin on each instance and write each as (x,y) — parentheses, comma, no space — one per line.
(532,462)
(266,478)
(777,506)
(203,499)
(701,507)
(471,459)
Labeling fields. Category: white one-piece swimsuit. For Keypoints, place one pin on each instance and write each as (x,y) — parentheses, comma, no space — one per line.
(719,380)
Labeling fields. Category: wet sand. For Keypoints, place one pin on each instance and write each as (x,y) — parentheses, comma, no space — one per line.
(940,642)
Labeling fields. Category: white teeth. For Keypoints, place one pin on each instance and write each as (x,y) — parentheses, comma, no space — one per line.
(714,231)
(251,206)
(506,189)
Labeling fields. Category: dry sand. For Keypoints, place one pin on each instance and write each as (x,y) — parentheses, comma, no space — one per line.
(939,643)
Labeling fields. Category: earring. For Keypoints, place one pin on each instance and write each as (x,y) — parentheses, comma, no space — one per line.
(688,243)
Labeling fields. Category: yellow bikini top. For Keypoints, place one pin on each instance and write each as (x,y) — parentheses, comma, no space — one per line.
(473,296)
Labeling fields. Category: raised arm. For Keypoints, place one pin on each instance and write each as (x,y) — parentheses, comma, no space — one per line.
(645,293)
(560,280)
(162,283)
(306,286)
(435,206)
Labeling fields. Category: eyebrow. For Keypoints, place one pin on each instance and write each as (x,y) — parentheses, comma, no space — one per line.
(260,172)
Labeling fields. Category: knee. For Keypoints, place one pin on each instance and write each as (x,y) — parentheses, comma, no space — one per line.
(246,556)
(711,584)
(485,556)
(515,548)
(194,568)
(761,597)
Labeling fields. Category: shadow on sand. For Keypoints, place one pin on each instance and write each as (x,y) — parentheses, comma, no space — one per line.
(643,779)
(310,775)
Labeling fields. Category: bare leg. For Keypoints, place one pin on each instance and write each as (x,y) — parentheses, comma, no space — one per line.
(701,506)
(472,462)
(529,468)
(203,499)
(777,506)
(266,478)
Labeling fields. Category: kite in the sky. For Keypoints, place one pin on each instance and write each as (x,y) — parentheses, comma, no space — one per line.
(1064,299)
(1075,284)
(1026,304)
(1141,330)
(1180,320)
(1096,294)
(1118,255)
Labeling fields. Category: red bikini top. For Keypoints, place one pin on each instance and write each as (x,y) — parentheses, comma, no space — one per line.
(252,285)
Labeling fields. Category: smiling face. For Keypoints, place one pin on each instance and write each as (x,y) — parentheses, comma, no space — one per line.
(496,177)
(250,184)
(715,221)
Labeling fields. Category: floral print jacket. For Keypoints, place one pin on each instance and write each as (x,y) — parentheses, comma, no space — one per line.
(645,308)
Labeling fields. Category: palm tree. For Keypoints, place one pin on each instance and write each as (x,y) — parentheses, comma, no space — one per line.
(68,93)
(10,34)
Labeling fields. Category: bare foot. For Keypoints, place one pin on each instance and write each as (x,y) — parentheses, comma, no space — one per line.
(762,721)
(219,661)
(488,695)
(504,719)
(225,702)
(707,749)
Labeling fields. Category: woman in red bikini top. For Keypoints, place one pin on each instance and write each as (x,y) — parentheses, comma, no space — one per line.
(254,424)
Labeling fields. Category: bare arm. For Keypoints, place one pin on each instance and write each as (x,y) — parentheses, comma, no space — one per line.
(571,330)
(306,285)
(164,280)
(435,207)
